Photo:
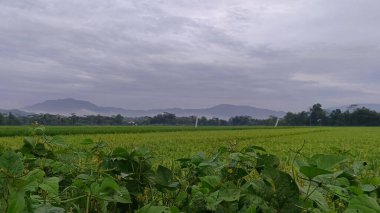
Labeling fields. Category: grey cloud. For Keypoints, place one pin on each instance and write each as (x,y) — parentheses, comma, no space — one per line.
(144,54)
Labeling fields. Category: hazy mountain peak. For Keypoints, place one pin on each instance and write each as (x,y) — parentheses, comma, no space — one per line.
(80,107)
(70,102)
(71,105)
(351,107)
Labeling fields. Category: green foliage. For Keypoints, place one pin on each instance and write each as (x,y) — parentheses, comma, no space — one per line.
(80,130)
(47,175)
(363,203)
(317,117)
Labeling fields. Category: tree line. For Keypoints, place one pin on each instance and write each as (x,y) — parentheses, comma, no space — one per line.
(316,116)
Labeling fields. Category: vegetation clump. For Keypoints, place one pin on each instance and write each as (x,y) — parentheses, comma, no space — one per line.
(46,175)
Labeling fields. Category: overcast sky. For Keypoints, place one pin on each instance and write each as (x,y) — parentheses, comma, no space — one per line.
(283,54)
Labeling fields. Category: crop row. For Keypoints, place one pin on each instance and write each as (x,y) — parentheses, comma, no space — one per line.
(6,131)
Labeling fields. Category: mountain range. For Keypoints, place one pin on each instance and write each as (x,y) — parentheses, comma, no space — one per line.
(223,111)
(80,107)
(15,112)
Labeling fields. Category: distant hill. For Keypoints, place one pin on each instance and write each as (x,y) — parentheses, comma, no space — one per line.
(375,107)
(79,107)
(15,112)
(69,105)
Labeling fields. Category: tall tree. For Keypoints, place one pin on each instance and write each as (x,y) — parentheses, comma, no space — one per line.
(317,115)
(164,118)
(296,119)
(118,120)
(74,119)
(364,117)
(240,120)
(2,119)
(12,119)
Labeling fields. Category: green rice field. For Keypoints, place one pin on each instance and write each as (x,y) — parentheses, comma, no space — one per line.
(169,143)
(107,169)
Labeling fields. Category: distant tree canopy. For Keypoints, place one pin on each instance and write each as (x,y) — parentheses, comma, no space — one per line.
(164,118)
(240,120)
(316,116)
(12,119)
(1,119)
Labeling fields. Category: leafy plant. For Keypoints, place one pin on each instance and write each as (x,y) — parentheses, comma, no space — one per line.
(47,175)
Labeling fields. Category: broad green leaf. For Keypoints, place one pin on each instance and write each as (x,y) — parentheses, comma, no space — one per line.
(26,150)
(267,161)
(328,161)
(29,141)
(141,151)
(363,204)
(355,189)
(163,175)
(51,186)
(39,130)
(94,187)
(368,187)
(122,196)
(181,197)
(109,190)
(286,193)
(358,166)
(30,181)
(208,164)
(320,200)
(12,163)
(40,149)
(173,185)
(16,200)
(212,201)
(34,175)
(235,156)
(162,178)
(108,186)
(342,181)
(251,209)
(174,209)
(83,176)
(254,148)
(198,158)
(197,191)
(229,195)
(211,182)
(58,140)
(312,172)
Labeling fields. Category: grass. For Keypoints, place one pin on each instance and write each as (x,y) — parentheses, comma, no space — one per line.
(170,143)
(74,130)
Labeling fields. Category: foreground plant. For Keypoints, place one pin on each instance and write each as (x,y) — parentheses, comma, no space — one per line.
(46,175)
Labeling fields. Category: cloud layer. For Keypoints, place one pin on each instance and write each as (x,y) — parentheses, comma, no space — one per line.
(176,53)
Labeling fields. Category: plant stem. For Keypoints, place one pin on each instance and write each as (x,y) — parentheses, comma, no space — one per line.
(88,202)
(71,199)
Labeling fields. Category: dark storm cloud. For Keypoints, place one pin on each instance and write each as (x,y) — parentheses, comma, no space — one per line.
(147,54)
